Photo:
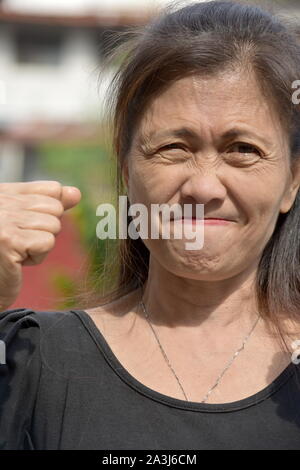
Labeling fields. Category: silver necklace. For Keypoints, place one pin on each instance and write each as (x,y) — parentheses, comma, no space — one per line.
(222,373)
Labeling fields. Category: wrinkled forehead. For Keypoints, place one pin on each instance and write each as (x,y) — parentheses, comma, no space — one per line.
(213,104)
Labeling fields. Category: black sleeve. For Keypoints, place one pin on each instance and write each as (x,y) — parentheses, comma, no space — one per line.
(20,368)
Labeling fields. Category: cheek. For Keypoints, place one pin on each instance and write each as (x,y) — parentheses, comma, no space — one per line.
(257,192)
(260,209)
(153,183)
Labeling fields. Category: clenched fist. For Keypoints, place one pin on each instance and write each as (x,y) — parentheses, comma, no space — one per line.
(30,216)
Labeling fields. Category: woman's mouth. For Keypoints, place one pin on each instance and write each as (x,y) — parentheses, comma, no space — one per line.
(205,221)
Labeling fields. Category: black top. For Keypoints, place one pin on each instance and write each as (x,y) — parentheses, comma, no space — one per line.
(62,387)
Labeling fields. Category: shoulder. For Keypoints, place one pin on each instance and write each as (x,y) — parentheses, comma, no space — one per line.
(21,363)
(36,342)
(24,332)
(25,319)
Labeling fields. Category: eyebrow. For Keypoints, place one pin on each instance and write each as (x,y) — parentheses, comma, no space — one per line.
(187,133)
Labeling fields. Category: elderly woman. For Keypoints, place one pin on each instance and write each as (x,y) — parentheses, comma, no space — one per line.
(194,349)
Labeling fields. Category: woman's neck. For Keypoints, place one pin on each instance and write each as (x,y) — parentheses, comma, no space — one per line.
(177,301)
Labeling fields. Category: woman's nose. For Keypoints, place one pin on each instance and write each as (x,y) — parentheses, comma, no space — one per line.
(203,187)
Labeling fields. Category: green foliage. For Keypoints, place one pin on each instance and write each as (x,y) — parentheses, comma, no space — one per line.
(67,288)
(91,169)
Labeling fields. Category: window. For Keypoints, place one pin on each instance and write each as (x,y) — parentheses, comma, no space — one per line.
(38,47)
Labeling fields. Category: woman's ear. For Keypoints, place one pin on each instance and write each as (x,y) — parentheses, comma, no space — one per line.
(292,190)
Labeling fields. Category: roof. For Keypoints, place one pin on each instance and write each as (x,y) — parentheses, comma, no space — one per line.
(38,131)
(84,21)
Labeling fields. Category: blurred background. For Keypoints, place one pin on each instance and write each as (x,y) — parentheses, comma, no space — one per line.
(52,121)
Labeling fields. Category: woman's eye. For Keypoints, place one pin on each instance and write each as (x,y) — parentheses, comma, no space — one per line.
(172,146)
(245,148)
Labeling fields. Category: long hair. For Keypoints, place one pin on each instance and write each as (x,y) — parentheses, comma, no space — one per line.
(204,39)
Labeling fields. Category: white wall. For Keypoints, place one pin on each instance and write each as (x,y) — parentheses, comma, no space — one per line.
(76,6)
(64,92)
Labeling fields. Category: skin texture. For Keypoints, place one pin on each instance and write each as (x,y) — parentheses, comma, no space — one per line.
(249,184)
(32,213)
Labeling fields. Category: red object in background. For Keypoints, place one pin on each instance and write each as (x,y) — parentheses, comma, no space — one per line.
(67,257)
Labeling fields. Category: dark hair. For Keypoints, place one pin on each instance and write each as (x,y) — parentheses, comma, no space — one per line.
(206,38)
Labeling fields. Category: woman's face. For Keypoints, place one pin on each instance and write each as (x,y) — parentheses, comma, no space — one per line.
(234,159)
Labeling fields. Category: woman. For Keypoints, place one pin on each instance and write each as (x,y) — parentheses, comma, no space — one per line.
(194,348)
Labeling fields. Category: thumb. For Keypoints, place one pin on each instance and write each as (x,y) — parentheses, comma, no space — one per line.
(70,196)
